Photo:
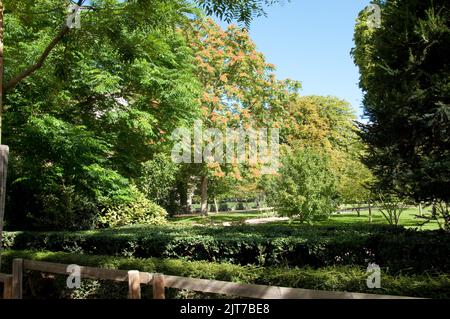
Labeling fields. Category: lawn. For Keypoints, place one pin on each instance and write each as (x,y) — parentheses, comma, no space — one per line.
(407,219)
(219,218)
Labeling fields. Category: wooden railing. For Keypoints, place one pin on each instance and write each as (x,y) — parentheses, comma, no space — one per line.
(159,282)
(6,280)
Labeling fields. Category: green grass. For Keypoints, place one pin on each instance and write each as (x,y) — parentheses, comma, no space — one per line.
(213,218)
(407,219)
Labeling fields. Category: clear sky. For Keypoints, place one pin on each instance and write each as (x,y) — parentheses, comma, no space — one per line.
(310,41)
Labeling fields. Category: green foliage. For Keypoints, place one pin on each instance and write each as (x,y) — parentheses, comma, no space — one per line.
(139,210)
(326,124)
(158,179)
(102,104)
(394,248)
(442,211)
(305,187)
(341,278)
(242,11)
(405,72)
(63,182)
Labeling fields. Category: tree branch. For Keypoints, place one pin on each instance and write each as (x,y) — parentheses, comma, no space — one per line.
(40,62)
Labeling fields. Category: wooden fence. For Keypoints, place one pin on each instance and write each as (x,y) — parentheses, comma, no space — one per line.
(14,284)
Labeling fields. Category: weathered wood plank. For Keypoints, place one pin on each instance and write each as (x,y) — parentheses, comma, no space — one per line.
(4,277)
(261,291)
(17,280)
(134,285)
(160,281)
(7,285)
(86,272)
(159,286)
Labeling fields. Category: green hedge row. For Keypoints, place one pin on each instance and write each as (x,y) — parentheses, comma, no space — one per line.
(341,278)
(396,249)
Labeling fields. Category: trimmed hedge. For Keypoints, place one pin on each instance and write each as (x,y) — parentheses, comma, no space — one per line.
(342,278)
(393,248)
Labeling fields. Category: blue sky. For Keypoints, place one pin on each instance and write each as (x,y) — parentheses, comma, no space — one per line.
(310,41)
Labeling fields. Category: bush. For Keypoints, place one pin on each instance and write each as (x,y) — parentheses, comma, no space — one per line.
(43,192)
(393,248)
(305,187)
(140,211)
(158,179)
(343,278)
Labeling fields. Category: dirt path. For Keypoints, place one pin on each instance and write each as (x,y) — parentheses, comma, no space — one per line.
(256,221)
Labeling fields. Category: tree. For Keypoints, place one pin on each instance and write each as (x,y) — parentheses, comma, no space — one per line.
(239,88)
(305,187)
(327,124)
(158,180)
(113,90)
(405,72)
(391,207)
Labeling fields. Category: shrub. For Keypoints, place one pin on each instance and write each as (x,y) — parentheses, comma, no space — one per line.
(393,248)
(140,211)
(391,207)
(158,179)
(305,187)
(343,278)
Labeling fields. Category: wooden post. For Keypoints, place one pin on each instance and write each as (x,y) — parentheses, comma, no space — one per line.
(370,213)
(204,196)
(134,285)
(4,152)
(158,286)
(17,280)
(216,205)
(7,288)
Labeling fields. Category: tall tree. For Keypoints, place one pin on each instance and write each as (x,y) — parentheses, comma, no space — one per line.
(327,125)
(113,89)
(405,72)
(239,88)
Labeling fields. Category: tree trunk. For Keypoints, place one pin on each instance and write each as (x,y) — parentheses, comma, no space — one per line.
(204,196)
(190,196)
(1,68)
(216,205)
(434,210)
(4,151)
(420,209)
(370,213)
(182,190)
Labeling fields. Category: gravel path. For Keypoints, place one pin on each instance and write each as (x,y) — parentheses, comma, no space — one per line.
(256,221)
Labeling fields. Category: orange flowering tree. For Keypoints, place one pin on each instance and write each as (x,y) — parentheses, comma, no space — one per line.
(240,91)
